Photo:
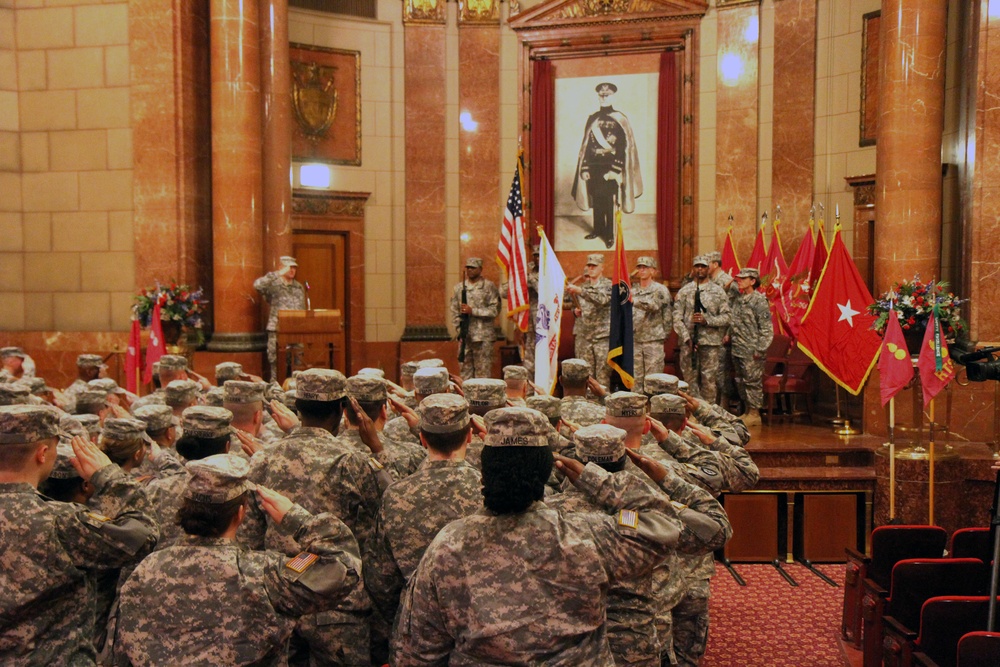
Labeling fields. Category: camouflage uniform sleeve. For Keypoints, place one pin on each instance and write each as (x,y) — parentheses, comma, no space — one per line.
(737,468)
(254,527)
(267,284)
(123,533)
(420,638)
(700,464)
(599,294)
(383,579)
(721,422)
(719,318)
(167,465)
(329,565)
(765,326)
(706,524)
(667,311)
(454,307)
(680,325)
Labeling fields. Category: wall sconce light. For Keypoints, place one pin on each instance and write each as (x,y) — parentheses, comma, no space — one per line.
(314,176)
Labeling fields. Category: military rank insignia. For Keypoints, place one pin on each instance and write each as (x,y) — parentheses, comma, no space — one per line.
(628,518)
(302,562)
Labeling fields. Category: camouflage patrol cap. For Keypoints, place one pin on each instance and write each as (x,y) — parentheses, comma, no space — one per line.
(517,427)
(24,424)
(215,397)
(748,273)
(668,404)
(107,384)
(485,392)
(700,260)
(575,369)
(714,256)
(156,417)
(35,385)
(366,388)
(660,383)
(288,398)
(427,381)
(550,406)
(595,259)
(90,361)
(90,397)
(408,368)
(600,443)
(205,421)
(238,391)
(288,260)
(180,392)
(11,352)
(217,479)
(580,411)
(228,370)
(148,399)
(625,404)
(123,437)
(14,393)
(443,413)
(92,423)
(515,373)
(377,372)
(321,384)
(683,386)
(433,362)
(63,467)
(474,262)
(173,362)
(646,260)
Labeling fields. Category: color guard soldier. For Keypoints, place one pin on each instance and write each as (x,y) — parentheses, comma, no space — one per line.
(476,300)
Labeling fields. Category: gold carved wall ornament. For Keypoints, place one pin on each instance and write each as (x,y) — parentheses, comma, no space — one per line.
(479,11)
(314,99)
(424,11)
(598,8)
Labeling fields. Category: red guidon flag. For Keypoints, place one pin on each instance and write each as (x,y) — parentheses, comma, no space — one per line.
(730,263)
(758,255)
(836,330)
(935,364)
(895,369)
(820,253)
(511,255)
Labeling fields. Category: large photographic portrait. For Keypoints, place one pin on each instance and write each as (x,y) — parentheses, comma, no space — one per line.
(605,158)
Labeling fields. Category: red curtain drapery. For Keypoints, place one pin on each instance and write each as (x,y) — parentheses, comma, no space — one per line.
(542,145)
(667,167)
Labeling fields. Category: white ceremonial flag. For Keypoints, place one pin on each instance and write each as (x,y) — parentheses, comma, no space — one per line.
(551,292)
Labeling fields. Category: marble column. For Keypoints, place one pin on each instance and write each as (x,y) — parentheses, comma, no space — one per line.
(908,160)
(236,175)
(736,121)
(276,117)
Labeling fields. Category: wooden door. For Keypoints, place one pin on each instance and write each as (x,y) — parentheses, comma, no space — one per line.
(322,258)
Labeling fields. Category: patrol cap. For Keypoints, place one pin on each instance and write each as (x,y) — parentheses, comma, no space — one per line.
(600,443)
(123,437)
(179,392)
(625,404)
(63,467)
(173,362)
(646,260)
(443,413)
(91,396)
(24,424)
(215,397)
(205,421)
(156,417)
(606,84)
(433,362)
(517,427)
(288,260)
(485,392)
(217,479)
(550,406)
(595,259)
(515,373)
(668,404)
(581,412)
(408,368)
(148,399)
(35,385)
(660,383)
(749,273)
(321,384)
(377,372)
(90,361)
(92,423)
(575,369)
(683,386)
(474,262)
(107,384)
(428,381)
(239,391)
(366,388)
(14,393)
(700,260)
(714,256)
(228,370)
(11,352)
(288,398)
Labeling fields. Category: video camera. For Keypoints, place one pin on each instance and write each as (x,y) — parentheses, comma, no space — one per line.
(980,365)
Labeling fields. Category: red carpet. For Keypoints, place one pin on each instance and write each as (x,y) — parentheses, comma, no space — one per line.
(769,623)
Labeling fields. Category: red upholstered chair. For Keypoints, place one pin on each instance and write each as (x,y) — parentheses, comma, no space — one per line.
(889,545)
(799,369)
(774,371)
(914,581)
(979,649)
(943,621)
(972,543)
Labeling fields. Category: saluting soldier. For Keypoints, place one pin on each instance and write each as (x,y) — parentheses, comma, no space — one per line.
(701,316)
(480,305)
(282,292)
(592,327)
(652,319)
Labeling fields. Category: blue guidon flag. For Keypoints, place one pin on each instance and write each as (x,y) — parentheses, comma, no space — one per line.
(620,344)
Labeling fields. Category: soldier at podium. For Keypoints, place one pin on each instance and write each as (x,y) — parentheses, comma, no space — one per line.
(282,292)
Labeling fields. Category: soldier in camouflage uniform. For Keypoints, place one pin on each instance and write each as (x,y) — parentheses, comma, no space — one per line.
(750,334)
(227,370)
(246,401)
(592,327)
(425,381)
(529,336)
(516,378)
(180,395)
(482,305)
(484,395)
(282,292)
(228,605)
(88,367)
(715,273)
(49,547)
(700,335)
(400,457)
(321,473)
(652,319)
(540,593)
(416,508)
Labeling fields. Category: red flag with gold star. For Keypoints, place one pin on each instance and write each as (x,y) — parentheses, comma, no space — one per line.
(894,366)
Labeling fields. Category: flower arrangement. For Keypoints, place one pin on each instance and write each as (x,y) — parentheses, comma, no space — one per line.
(914,302)
(178,303)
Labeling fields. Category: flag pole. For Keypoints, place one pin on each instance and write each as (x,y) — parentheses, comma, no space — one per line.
(892,458)
(930,458)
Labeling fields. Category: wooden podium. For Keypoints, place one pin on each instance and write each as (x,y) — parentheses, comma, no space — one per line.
(310,339)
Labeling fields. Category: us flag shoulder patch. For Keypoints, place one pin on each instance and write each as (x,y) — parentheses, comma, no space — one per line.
(375,463)
(628,518)
(302,562)
(98,517)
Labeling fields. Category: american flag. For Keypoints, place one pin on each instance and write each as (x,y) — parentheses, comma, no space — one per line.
(511,254)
